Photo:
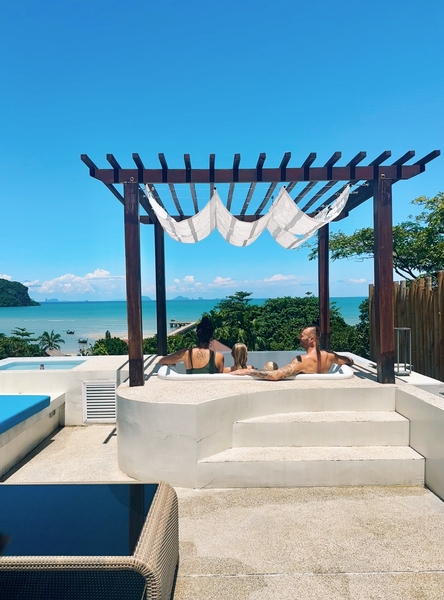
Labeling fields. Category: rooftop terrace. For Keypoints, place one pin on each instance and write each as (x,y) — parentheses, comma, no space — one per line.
(311,543)
(278,543)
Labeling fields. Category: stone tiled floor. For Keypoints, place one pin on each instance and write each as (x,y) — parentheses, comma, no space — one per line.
(352,543)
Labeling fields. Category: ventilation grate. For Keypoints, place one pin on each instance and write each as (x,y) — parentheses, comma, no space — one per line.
(99,401)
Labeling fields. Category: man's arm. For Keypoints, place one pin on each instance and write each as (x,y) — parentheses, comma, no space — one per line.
(342,360)
(287,371)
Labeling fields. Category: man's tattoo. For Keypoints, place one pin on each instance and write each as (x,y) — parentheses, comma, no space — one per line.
(260,374)
(284,372)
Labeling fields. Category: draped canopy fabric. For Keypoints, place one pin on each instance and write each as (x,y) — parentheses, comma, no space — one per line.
(285,221)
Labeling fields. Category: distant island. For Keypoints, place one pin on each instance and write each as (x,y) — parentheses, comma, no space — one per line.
(145,299)
(185,298)
(52,300)
(13,293)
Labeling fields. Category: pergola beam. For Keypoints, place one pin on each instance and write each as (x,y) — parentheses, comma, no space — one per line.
(211,173)
(305,191)
(316,197)
(283,166)
(266,175)
(259,165)
(187,160)
(236,163)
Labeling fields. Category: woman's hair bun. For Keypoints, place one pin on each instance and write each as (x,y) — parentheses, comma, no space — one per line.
(205,329)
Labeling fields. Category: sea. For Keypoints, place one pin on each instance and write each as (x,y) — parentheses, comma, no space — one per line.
(90,320)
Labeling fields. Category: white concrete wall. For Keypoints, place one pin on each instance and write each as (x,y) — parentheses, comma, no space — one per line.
(18,441)
(157,442)
(426,434)
(55,382)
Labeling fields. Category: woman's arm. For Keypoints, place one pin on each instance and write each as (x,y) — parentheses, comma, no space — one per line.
(219,362)
(172,359)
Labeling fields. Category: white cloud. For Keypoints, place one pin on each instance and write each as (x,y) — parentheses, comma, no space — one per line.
(186,285)
(8,277)
(97,282)
(279,277)
(98,274)
(32,283)
(220,282)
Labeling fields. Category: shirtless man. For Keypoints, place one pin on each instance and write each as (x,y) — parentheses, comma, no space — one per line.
(315,361)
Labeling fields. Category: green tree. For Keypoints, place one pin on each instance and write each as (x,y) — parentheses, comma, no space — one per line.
(13,293)
(23,334)
(109,345)
(236,320)
(11,347)
(275,325)
(418,244)
(282,320)
(360,344)
(50,341)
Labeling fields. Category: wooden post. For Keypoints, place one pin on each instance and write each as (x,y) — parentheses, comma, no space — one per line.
(161,313)
(323,286)
(383,251)
(441,323)
(133,283)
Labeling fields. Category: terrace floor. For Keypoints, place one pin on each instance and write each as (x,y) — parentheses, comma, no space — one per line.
(311,543)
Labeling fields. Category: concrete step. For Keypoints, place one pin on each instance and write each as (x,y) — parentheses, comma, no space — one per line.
(325,428)
(312,466)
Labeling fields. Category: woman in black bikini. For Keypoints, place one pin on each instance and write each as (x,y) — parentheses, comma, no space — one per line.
(200,359)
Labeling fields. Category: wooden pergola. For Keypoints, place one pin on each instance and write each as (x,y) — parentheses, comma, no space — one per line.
(375,180)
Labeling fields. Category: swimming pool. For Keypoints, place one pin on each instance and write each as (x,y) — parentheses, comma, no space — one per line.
(49,364)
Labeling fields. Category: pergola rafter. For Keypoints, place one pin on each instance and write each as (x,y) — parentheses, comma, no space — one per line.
(376,180)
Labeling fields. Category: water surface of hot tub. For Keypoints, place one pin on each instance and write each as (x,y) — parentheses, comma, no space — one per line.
(336,372)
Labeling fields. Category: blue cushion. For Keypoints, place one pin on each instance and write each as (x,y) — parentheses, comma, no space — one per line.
(15,409)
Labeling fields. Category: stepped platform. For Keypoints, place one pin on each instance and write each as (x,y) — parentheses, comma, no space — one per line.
(240,432)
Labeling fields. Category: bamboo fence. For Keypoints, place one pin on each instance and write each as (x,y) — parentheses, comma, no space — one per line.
(420,307)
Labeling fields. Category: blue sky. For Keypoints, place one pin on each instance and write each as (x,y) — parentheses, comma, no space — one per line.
(230,77)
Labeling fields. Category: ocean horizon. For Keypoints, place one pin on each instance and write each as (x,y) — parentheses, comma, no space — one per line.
(91,319)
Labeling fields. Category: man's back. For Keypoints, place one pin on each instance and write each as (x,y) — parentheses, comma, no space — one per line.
(309,361)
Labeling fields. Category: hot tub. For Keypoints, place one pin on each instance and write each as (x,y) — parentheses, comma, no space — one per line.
(336,372)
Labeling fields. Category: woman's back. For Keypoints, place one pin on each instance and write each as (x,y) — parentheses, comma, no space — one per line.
(201,360)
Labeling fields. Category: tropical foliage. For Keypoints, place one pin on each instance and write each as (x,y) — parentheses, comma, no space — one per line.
(13,293)
(275,325)
(108,345)
(20,343)
(235,319)
(418,244)
(23,334)
(50,341)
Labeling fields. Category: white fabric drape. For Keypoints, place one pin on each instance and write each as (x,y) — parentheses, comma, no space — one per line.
(286,222)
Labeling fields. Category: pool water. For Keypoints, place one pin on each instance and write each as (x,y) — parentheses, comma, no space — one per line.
(32,365)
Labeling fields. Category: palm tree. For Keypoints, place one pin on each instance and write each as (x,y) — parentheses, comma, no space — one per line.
(50,341)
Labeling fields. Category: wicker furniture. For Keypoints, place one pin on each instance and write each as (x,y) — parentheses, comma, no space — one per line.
(138,530)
